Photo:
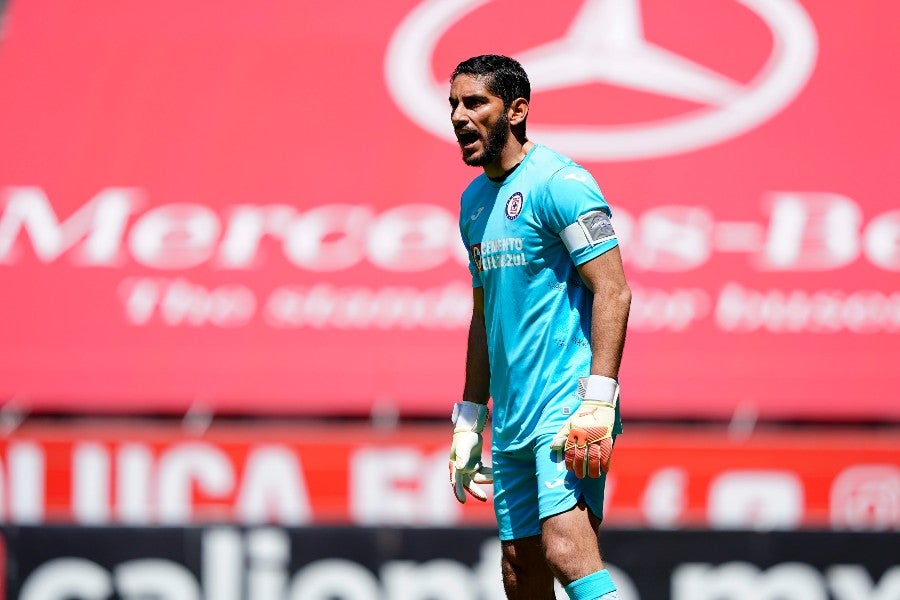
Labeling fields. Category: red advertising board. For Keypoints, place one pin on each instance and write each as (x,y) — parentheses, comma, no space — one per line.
(311,475)
(252,206)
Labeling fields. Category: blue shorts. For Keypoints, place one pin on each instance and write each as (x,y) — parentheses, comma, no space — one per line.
(532,483)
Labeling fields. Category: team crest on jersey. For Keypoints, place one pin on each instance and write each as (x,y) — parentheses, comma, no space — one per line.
(514,206)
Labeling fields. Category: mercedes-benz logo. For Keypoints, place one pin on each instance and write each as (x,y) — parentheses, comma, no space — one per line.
(605,44)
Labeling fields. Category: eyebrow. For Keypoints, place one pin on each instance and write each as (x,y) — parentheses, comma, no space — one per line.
(470,97)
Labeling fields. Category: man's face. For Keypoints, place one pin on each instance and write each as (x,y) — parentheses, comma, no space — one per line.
(479,120)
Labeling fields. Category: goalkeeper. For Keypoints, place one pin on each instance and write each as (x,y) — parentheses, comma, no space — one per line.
(550,310)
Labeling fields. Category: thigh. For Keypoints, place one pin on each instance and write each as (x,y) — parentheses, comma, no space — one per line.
(559,490)
(515,494)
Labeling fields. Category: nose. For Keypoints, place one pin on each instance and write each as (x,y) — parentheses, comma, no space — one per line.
(458,116)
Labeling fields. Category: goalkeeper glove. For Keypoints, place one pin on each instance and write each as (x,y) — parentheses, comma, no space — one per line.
(586,436)
(466,469)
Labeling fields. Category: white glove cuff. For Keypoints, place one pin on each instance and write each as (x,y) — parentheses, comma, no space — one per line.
(597,388)
(469,416)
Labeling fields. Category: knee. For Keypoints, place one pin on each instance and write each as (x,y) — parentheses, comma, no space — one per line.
(559,550)
(572,555)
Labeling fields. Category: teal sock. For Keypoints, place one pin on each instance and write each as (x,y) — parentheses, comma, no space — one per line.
(591,587)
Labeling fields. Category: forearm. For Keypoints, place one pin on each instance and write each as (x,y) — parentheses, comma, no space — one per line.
(609,320)
(470,416)
(587,435)
(478,368)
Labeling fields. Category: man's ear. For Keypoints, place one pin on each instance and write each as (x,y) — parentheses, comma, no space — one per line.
(517,111)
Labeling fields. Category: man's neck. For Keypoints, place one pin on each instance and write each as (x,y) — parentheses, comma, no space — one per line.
(512,155)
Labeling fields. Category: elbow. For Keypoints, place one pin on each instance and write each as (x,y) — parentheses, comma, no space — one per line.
(617,294)
(620,297)
(624,296)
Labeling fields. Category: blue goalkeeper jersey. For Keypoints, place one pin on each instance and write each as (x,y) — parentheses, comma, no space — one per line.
(525,236)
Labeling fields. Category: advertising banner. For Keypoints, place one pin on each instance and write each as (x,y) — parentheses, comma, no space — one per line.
(268,563)
(252,207)
(317,475)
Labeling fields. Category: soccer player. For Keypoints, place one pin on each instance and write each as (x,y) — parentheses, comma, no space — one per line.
(548,327)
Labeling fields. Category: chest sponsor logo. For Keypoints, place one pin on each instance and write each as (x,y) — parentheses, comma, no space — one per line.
(498,254)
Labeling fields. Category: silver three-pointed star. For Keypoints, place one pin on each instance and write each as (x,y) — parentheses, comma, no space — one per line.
(605,43)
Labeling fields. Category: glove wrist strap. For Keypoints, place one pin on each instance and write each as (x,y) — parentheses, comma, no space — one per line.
(469,416)
(597,388)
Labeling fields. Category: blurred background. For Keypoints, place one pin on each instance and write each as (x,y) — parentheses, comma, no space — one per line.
(234,300)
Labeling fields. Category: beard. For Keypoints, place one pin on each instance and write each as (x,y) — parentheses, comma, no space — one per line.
(493,145)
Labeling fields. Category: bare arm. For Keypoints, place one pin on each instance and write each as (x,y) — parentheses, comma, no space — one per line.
(609,317)
(478,368)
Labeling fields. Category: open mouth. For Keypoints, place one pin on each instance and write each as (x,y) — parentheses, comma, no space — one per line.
(466,138)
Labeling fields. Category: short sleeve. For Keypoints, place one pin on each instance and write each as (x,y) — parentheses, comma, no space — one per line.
(576,210)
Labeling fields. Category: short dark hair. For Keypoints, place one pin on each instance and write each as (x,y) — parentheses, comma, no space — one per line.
(504,76)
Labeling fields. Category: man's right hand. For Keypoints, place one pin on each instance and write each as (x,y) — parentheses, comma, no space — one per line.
(466,468)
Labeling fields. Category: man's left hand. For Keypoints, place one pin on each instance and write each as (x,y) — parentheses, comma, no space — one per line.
(586,437)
